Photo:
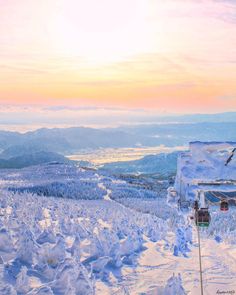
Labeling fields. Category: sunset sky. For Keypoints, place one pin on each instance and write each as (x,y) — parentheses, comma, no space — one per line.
(171,56)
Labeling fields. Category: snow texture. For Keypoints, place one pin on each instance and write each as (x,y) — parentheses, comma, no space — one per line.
(95,241)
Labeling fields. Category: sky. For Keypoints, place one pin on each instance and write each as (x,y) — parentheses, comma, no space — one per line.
(167,56)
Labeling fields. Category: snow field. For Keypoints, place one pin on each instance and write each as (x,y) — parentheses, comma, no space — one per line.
(65,245)
(111,243)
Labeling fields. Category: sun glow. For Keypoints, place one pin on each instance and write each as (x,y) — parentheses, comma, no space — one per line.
(102,31)
(163,54)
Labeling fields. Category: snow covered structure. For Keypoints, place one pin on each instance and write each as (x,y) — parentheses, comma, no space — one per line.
(209,168)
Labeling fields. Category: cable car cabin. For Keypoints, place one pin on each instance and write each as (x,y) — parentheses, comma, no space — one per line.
(202,217)
(224,205)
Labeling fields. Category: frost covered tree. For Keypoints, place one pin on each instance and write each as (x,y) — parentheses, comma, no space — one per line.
(27,246)
(181,242)
(22,281)
(6,244)
(174,286)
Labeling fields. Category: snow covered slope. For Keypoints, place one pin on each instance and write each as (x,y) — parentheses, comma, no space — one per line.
(33,158)
(104,245)
(62,246)
(54,179)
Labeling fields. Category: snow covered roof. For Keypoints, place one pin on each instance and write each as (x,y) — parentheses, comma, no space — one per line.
(205,164)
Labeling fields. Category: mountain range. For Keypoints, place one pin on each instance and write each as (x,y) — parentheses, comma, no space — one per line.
(69,140)
(66,141)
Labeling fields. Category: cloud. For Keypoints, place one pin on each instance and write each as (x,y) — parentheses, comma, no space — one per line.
(88,108)
(64,116)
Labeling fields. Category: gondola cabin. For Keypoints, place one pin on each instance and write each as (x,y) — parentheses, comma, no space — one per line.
(224,205)
(202,217)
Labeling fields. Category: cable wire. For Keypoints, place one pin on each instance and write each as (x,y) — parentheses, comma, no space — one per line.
(200,257)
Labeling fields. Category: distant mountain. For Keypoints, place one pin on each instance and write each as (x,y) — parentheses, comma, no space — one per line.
(33,159)
(70,140)
(164,164)
(181,134)
(22,150)
(9,138)
(196,118)
(67,140)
